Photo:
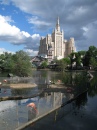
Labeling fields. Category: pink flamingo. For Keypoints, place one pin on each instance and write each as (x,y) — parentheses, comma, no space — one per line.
(33,106)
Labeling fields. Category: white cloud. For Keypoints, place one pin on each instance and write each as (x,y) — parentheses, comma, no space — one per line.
(90,35)
(31,52)
(2,50)
(5,19)
(14,35)
(26,34)
(76,17)
(77,13)
(5,27)
(35,36)
(35,20)
(85,29)
(90,32)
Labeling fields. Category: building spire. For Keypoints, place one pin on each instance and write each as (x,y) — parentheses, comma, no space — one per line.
(58,20)
(57,25)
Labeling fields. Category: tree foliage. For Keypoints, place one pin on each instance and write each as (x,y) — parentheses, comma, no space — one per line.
(90,56)
(62,63)
(77,59)
(44,64)
(18,63)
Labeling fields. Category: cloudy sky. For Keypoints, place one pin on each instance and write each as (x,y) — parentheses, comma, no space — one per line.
(23,22)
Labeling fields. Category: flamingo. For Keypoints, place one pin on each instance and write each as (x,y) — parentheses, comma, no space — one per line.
(4,80)
(33,106)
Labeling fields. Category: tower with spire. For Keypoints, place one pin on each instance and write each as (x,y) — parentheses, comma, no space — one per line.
(58,25)
(54,46)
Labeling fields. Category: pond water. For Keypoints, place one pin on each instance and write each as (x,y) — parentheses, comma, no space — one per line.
(79,114)
(70,117)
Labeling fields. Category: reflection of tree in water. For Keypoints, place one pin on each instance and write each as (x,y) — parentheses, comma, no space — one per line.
(25,91)
(66,77)
(73,78)
(81,100)
(80,81)
(77,80)
(93,86)
(44,74)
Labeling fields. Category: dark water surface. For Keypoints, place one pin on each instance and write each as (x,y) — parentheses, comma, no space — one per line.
(77,115)
(70,117)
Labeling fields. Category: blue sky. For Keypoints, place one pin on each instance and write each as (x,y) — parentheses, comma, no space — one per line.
(23,22)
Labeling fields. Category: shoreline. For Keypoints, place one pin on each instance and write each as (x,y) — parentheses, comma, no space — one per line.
(19,85)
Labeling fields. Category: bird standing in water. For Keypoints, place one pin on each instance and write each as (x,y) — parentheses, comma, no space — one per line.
(32,105)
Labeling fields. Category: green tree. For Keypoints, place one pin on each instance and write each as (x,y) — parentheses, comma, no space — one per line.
(44,64)
(66,61)
(22,65)
(93,62)
(71,56)
(6,62)
(77,59)
(62,63)
(2,57)
(90,56)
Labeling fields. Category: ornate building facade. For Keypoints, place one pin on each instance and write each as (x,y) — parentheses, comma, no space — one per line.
(55,46)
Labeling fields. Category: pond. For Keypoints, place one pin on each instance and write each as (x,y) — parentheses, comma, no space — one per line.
(79,114)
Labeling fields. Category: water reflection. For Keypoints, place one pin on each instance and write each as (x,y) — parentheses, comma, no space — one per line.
(32,112)
(93,86)
(19,113)
(24,92)
(81,101)
(16,113)
(76,115)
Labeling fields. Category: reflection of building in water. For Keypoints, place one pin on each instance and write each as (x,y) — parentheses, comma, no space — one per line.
(45,103)
(57,99)
(53,99)
(31,113)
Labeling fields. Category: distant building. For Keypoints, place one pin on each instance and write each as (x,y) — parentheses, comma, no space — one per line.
(37,60)
(55,46)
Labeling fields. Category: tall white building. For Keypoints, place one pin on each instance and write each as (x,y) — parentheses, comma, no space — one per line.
(55,46)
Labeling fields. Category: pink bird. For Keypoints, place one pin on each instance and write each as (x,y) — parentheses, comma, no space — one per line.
(4,80)
(33,106)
